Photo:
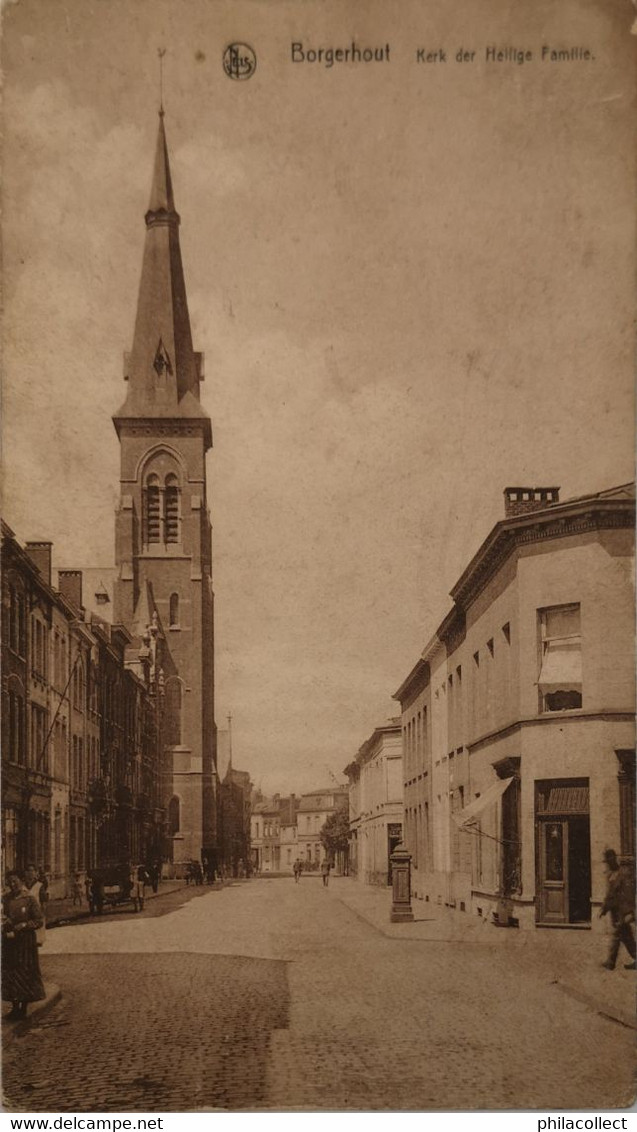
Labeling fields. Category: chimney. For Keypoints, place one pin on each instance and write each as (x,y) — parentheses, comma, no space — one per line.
(70,586)
(40,555)
(523,500)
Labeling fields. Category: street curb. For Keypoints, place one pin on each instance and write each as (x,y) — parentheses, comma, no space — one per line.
(11,1031)
(603,1009)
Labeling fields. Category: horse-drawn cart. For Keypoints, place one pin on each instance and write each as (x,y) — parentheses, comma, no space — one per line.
(114,887)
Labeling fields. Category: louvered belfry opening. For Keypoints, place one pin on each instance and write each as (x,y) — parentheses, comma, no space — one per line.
(153,511)
(171,509)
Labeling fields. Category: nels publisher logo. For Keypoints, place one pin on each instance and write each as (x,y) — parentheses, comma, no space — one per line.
(239,61)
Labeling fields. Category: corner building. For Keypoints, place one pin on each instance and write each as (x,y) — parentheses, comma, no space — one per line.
(163,547)
(518,718)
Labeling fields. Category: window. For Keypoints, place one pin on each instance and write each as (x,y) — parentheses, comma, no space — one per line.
(560,679)
(39,757)
(16,621)
(506,633)
(16,728)
(171,509)
(173,614)
(38,642)
(78,687)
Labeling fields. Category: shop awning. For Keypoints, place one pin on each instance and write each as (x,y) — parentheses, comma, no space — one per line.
(471,812)
(562,666)
(564,800)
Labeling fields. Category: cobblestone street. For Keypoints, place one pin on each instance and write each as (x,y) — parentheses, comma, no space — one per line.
(273,995)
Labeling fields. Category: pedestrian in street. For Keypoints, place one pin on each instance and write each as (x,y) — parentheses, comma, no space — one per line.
(140,879)
(77,890)
(297,870)
(38,889)
(620,902)
(154,872)
(325,871)
(44,889)
(21,978)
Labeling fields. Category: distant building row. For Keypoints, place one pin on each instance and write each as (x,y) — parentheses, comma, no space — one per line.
(516,737)
(286,829)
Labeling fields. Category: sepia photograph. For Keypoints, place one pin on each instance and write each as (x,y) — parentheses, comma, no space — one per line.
(317,557)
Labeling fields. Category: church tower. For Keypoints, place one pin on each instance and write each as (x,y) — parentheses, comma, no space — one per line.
(163,552)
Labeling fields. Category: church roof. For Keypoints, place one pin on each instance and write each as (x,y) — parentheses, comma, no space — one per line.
(163,370)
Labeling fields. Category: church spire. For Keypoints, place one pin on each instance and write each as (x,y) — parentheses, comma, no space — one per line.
(163,371)
(161,193)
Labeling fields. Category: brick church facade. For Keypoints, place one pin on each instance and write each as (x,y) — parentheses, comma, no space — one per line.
(163,587)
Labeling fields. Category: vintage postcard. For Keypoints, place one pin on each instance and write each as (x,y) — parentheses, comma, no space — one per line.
(318,763)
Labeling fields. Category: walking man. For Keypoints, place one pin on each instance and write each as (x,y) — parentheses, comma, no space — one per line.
(620,902)
(325,871)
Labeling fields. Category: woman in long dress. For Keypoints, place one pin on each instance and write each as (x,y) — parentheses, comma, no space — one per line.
(21,978)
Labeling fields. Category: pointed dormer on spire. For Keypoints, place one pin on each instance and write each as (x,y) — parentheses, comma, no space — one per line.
(162,370)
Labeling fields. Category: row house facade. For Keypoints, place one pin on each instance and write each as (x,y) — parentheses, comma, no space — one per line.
(284,830)
(518,717)
(81,777)
(376,804)
(267,817)
(314,810)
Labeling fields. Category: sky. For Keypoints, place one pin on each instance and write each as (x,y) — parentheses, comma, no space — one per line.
(412,282)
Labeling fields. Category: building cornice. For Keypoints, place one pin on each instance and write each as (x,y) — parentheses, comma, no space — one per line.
(415,683)
(555,522)
(561,717)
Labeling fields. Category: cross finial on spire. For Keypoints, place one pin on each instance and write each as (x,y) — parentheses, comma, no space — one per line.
(161,51)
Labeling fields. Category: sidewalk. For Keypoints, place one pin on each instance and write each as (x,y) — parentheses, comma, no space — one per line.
(570,959)
(60,912)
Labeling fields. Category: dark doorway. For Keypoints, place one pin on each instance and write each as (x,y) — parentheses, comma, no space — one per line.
(563,853)
(579,870)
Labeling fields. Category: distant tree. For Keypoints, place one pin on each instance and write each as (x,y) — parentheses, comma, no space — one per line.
(335,833)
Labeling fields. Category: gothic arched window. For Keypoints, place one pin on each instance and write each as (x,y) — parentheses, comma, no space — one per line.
(171,509)
(153,510)
(173,614)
